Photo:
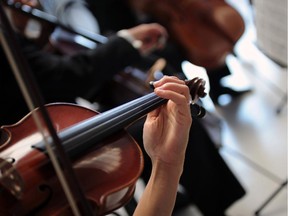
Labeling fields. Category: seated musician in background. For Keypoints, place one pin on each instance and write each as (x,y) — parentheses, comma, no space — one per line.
(208,181)
(113,15)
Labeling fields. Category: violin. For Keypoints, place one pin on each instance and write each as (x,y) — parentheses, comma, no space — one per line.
(106,160)
(205,30)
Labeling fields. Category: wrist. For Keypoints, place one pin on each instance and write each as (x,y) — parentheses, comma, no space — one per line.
(167,169)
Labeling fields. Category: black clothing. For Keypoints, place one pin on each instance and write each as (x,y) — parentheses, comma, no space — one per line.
(121,16)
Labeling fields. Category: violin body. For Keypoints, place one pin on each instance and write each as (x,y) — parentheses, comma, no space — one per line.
(107,175)
(205,30)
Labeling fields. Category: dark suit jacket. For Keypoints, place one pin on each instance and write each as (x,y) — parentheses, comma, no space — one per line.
(62,78)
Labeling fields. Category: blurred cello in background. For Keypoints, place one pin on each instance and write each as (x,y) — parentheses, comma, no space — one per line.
(205,30)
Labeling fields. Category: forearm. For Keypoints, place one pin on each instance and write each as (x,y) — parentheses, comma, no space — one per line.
(160,193)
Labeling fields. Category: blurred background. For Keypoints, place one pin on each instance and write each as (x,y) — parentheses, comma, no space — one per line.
(255,125)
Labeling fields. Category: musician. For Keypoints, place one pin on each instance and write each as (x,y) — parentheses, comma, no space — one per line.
(126,14)
(62,78)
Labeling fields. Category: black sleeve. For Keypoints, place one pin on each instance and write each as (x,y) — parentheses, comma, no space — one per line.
(62,78)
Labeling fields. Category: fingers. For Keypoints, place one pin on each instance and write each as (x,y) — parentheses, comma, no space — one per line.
(172,88)
(156,29)
(167,79)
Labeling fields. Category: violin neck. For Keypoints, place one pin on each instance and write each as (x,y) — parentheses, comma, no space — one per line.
(89,133)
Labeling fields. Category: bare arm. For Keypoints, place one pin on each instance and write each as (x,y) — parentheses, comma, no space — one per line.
(166,132)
